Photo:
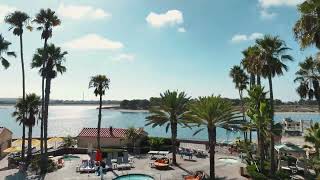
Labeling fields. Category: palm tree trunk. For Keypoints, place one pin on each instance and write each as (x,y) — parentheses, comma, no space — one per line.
(212,142)
(258,80)
(273,165)
(99,123)
(45,117)
(43,158)
(23,97)
(29,144)
(174,142)
(243,112)
(252,83)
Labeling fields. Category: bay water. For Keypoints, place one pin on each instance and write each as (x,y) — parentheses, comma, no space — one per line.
(69,120)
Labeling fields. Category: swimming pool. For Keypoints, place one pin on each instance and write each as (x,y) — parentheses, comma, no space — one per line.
(68,157)
(134,177)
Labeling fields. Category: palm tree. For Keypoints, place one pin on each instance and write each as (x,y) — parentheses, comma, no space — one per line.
(211,112)
(4,49)
(313,136)
(100,83)
(308,76)
(170,113)
(252,65)
(26,113)
(258,117)
(132,136)
(18,20)
(307,28)
(54,65)
(240,79)
(46,19)
(273,55)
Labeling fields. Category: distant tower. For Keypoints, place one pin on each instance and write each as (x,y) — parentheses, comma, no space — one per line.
(82,96)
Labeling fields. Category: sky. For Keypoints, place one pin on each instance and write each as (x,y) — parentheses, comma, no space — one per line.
(148,46)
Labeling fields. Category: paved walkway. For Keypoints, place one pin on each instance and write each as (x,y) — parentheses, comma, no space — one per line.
(228,171)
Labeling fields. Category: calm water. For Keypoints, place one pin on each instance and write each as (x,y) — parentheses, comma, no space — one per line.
(69,120)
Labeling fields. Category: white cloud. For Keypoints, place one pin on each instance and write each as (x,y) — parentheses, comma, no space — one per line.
(5,10)
(171,17)
(77,12)
(274,3)
(242,37)
(264,14)
(124,57)
(181,29)
(93,42)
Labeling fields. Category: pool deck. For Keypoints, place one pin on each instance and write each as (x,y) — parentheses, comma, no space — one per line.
(228,171)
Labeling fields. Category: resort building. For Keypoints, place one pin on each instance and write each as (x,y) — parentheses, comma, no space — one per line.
(5,140)
(109,137)
(297,128)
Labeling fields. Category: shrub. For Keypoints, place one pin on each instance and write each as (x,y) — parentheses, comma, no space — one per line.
(252,171)
(282,175)
(36,164)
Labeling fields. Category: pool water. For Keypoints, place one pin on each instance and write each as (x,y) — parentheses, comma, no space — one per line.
(134,177)
(70,157)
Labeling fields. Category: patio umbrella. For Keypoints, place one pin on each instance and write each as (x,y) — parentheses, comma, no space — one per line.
(13,149)
(55,142)
(18,142)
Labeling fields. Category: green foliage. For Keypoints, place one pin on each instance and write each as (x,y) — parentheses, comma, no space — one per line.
(312,135)
(135,104)
(4,46)
(156,142)
(46,19)
(36,164)
(69,141)
(100,83)
(17,20)
(254,174)
(282,175)
(239,77)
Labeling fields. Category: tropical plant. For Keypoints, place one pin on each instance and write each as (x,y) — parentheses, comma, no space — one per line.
(68,141)
(259,115)
(55,58)
(240,79)
(46,19)
(308,76)
(307,28)
(17,21)
(26,112)
(4,50)
(273,55)
(252,65)
(170,113)
(312,135)
(209,113)
(100,83)
(131,136)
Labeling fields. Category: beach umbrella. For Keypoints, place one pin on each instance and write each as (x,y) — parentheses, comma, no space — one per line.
(13,149)
(35,143)
(18,142)
(55,142)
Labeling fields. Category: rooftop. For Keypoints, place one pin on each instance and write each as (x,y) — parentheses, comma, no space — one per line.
(107,132)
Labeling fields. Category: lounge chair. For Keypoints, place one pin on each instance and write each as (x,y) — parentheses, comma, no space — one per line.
(162,163)
(86,167)
(199,175)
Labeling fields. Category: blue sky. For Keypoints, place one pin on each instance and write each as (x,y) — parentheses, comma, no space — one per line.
(148,46)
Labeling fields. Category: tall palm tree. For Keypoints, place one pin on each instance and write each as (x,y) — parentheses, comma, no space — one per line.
(28,108)
(100,83)
(273,56)
(55,58)
(209,113)
(307,28)
(46,19)
(4,50)
(173,105)
(18,20)
(252,65)
(309,76)
(313,136)
(240,79)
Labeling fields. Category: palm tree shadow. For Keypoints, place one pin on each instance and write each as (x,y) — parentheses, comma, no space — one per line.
(16,176)
(114,173)
(185,170)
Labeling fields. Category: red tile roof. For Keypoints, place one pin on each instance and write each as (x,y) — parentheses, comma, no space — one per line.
(105,132)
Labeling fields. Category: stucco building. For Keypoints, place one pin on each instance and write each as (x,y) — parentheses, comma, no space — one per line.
(5,140)
(109,137)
